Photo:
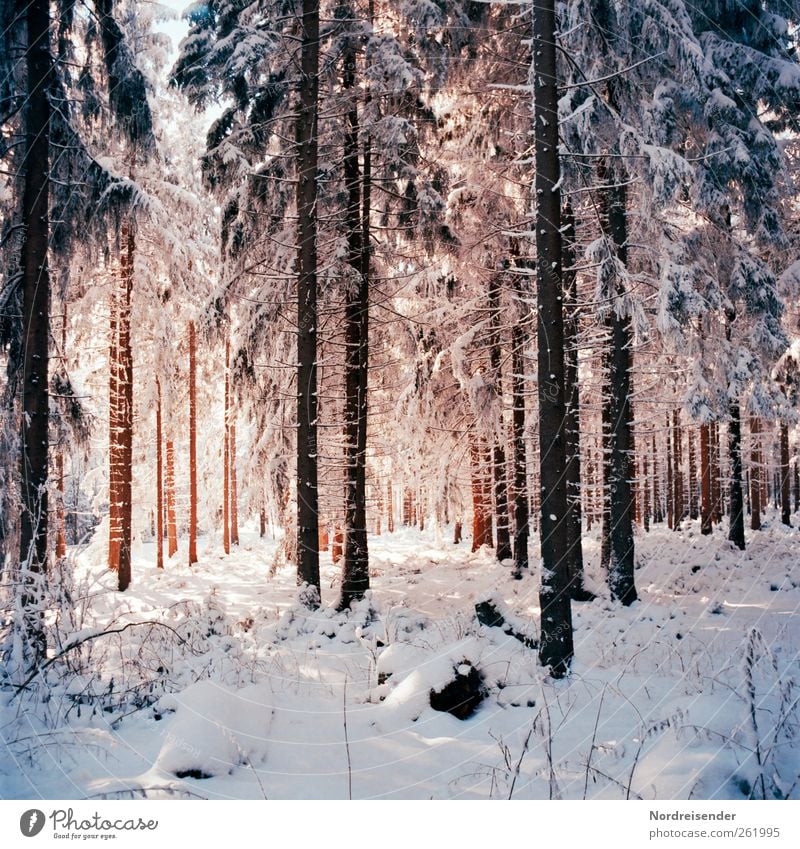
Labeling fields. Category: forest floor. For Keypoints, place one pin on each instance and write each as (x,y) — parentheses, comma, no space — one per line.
(225,687)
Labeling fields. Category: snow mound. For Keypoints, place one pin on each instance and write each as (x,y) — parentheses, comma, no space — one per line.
(215,729)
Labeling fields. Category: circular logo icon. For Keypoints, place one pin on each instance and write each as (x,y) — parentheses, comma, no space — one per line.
(31,822)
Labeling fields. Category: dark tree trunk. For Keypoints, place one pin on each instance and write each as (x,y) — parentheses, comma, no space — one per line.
(786,507)
(355,574)
(670,479)
(606,426)
(307,168)
(572,449)
(796,486)
(503,550)
(34,453)
(193,446)
(736,528)
(520,500)
(619,388)
(226,456)
(705,479)
(555,647)
(125,482)
(755,475)
(646,486)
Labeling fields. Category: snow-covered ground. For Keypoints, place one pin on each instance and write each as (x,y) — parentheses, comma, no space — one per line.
(226,688)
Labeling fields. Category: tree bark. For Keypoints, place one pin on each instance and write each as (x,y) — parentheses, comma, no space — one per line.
(613,203)
(556,646)
(234,484)
(572,448)
(693,500)
(193,446)
(226,457)
(670,479)
(677,446)
(503,550)
(307,172)
(520,500)
(125,482)
(736,527)
(786,507)
(34,432)
(355,574)
(705,479)
(159,483)
(172,524)
(755,475)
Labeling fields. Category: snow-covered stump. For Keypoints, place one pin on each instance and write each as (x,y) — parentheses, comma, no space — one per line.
(461,695)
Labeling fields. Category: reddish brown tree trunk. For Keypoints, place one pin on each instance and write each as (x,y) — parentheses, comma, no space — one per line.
(192,446)
(337,549)
(114,435)
(159,483)
(693,500)
(646,491)
(389,507)
(716,470)
(172,524)
(234,484)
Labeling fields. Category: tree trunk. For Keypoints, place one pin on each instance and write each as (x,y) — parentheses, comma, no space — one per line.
(307,172)
(705,479)
(755,475)
(234,485)
(389,507)
(172,524)
(605,451)
(786,508)
(646,487)
(670,479)
(736,528)
(693,500)
(226,456)
(796,486)
(572,447)
(355,574)
(613,202)
(61,524)
(479,517)
(34,438)
(520,502)
(193,446)
(555,647)
(159,483)
(114,430)
(677,446)
(658,513)
(716,472)
(125,481)
(503,550)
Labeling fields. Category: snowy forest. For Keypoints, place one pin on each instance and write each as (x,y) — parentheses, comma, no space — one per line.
(399,399)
